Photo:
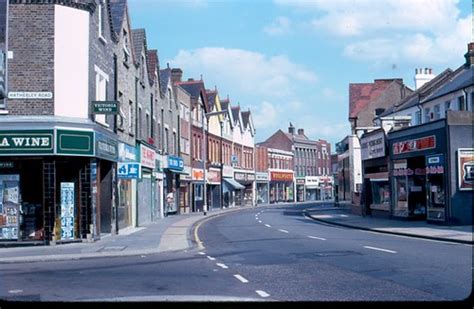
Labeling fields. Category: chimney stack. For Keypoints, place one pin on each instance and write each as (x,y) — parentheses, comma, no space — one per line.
(470,54)
(291,129)
(300,131)
(422,76)
(176,75)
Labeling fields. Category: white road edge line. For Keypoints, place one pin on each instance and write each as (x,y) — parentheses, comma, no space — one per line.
(283,231)
(222,265)
(314,237)
(211,258)
(380,249)
(262,293)
(268,225)
(241,278)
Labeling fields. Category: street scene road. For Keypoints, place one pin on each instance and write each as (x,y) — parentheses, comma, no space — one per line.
(271,253)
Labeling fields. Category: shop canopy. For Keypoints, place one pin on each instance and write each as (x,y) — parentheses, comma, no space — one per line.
(234,184)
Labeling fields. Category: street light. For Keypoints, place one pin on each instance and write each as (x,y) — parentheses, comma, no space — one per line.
(221,122)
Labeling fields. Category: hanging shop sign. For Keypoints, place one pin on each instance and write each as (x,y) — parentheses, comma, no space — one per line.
(198,174)
(428,142)
(373,146)
(466,169)
(175,163)
(281,176)
(74,142)
(128,170)
(67,210)
(214,176)
(28,95)
(300,181)
(106,147)
(261,177)
(105,107)
(127,153)
(147,156)
(26,142)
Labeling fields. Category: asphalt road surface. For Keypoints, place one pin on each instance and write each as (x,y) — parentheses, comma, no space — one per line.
(261,254)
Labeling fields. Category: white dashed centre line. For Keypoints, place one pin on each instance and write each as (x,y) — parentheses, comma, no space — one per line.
(380,249)
(319,238)
(268,225)
(211,258)
(222,265)
(15,291)
(259,221)
(242,279)
(201,253)
(283,231)
(262,293)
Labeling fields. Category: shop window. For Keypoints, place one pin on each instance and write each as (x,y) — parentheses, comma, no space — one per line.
(380,192)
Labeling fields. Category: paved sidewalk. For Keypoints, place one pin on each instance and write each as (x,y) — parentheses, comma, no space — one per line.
(342,216)
(166,234)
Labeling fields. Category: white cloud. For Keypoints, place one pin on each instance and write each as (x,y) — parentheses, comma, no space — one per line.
(392,30)
(265,115)
(349,17)
(414,48)
(244,71)
(281,26)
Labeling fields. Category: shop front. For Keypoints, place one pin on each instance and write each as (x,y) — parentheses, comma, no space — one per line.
(147,211)
(128,170)
(52,182)
(300,189)
(231,187)
(262,180)
(173,168)
(184,191)
(376,187)
(281,187)
(197,194)
(214,188)
(313,192)
(245,196)
(418,170)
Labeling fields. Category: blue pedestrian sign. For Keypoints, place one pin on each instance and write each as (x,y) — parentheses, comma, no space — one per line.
(126,170)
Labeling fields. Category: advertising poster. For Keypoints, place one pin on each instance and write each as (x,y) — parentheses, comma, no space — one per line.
(67,210)
(466,169)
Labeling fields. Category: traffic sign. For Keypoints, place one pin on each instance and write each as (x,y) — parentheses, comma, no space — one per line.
(126,170)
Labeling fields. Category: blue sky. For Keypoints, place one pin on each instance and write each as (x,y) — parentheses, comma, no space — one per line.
(293,60)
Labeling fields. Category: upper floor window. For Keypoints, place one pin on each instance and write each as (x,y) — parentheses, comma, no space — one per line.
(142,68)
(427,115)
(101,81)
(462,106)
(437,112)
(126,44)
(417,117)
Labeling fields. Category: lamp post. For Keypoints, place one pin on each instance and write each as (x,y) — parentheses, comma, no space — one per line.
(208,115)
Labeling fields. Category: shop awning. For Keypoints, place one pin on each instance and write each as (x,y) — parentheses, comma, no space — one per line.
(234,184)
(177,171)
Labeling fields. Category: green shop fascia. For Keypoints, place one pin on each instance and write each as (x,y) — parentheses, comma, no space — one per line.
(56,183)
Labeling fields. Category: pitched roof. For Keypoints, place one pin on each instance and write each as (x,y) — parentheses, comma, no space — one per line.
(195,88)
(424,91)
(225,104)
(165,78)
(361,94)
(117,10)
(235,113)
(138,37)
(461,78)
(211,98)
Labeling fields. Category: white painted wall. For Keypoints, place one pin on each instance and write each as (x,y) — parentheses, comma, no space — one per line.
(71,62)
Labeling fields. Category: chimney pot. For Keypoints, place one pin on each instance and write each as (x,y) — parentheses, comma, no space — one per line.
(300,131)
